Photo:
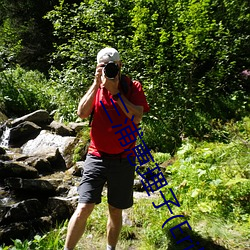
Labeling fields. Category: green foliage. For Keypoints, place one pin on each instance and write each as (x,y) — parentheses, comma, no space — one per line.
(52,240)
(26,38)
(212,174)
(161,157)
(81,148)
(24,91)
(188,56)
(193,72)
(10,44)
(211,183)
(82,30)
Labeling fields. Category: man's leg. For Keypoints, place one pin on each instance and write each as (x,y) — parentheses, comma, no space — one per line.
(77,224)
(114,225)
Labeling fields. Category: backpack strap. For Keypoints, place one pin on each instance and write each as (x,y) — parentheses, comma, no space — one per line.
(91,116)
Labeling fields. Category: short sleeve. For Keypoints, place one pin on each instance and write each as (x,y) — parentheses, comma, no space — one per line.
(138,97)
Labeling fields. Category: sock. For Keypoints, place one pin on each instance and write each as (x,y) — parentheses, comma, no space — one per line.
(110,247)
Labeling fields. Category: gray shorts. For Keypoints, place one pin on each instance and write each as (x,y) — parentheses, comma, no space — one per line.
(118,173)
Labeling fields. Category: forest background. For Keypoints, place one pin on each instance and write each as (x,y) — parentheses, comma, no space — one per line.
(191,56)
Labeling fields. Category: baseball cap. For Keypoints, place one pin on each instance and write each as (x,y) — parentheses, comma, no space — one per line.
(108,54)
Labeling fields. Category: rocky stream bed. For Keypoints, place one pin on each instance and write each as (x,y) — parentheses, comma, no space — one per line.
(38,178)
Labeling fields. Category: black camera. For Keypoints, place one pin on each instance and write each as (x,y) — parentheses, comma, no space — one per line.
(111,70)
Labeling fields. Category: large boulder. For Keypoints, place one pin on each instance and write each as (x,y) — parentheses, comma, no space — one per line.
(16,169)
(16,230)
(41,164)
(23,211)
(35,187)
(23,132)
(39,117)
(61,208)
(48,142)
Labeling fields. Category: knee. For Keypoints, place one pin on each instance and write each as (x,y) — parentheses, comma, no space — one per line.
(113,211)
(83,210)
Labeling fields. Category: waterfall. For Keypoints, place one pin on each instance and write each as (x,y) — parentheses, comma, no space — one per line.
(4,140)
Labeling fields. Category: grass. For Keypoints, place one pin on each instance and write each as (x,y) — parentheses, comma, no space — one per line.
(211,183)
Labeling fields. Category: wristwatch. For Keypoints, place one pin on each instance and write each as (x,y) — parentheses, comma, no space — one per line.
(116,96)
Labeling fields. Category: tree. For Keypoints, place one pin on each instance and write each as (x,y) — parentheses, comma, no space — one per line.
(188,55)
(26,37)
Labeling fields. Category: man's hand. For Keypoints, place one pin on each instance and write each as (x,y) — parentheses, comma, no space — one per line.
(111,84)
(101,80)
(98,74)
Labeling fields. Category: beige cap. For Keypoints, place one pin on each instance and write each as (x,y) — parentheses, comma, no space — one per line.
(108,54)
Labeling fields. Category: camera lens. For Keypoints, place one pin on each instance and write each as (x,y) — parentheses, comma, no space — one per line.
(111,70)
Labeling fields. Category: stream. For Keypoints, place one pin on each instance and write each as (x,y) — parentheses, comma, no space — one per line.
(4,139)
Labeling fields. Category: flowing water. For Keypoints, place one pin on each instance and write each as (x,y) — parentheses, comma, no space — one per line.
(4,140)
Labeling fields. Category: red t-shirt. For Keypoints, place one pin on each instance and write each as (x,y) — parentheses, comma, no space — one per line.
(103,137)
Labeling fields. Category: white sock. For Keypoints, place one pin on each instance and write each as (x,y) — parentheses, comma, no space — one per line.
(110,247)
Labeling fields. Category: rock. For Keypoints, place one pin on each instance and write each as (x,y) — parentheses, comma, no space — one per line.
(60,208)
(3,210)
(2,151)
(34,187)
(16,169)
(4,158)
(55,158)
(23,132)
(23,211)
(42,165)
(3,118)
(78,126)
(44,223)
(47,141)
(61,129)
(35,173)
(51,154)
(76,170)
(39,117)
(125,219)
(138,185)
(73,192)
(42,154)
(17,230)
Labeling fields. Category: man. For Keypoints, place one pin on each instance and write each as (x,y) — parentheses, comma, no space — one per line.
(111,99)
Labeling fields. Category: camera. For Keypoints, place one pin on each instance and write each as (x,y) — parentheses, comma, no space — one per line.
(111,69)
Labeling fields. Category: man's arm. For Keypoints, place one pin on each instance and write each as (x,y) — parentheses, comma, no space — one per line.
(86,104)
(135,110)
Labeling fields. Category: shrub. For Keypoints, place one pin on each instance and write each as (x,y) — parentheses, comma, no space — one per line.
(24,91)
